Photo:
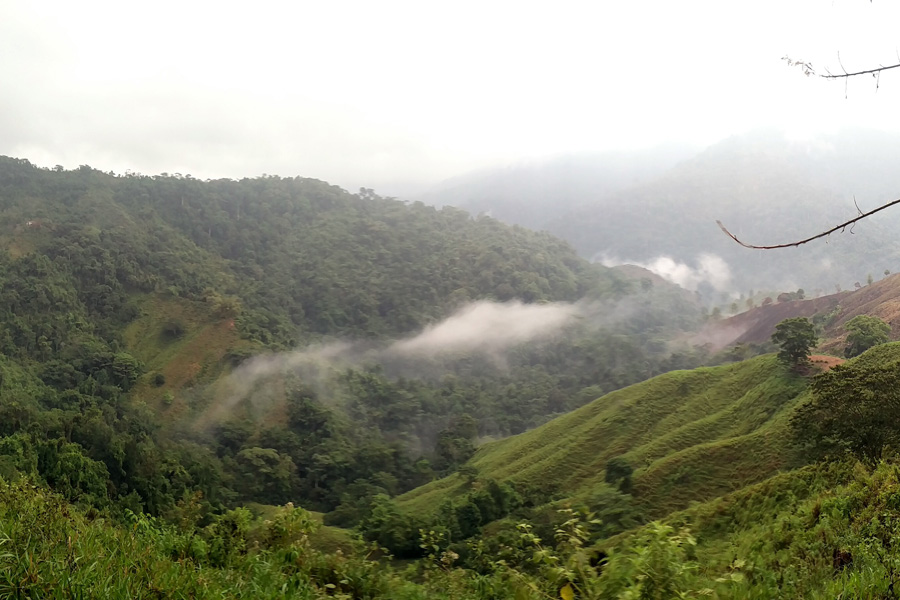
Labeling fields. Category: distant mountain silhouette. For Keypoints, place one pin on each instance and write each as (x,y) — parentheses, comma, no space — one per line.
(764,186)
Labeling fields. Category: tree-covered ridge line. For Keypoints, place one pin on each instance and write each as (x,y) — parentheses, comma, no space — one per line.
(303,257)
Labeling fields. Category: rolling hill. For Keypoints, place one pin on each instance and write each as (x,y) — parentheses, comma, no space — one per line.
(689,435)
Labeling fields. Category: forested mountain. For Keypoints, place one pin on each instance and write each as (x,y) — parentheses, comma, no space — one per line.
(766,190)
(766,187)
(306,258)
(139,314)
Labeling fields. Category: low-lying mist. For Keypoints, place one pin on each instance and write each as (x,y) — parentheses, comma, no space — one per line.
(488,327)
(485,331)
(484,328)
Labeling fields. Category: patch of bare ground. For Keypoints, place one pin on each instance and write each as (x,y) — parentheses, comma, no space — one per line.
(879,299)
(757,325)
(823,362)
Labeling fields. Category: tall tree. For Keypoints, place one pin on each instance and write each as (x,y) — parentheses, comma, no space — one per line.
(863,332)
(796,337)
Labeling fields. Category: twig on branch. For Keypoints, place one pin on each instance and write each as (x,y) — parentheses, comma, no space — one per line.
(840,227)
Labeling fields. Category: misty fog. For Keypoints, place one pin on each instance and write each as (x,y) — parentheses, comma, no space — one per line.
(485,329)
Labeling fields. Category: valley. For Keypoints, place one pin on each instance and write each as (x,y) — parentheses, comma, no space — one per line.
(245,387)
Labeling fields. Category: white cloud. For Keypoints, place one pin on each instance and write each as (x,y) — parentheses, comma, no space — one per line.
(488,327)
(709,268)
(485,328)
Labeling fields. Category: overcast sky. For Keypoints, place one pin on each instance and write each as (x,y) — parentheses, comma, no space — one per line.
(391,94)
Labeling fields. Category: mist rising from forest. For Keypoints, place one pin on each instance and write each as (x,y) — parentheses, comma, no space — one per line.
(488,327)
(708,268)
(485,329)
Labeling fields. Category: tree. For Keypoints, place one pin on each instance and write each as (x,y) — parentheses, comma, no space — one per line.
(391,529)
(796,337)
(265,475)
(855,408)
(863,332)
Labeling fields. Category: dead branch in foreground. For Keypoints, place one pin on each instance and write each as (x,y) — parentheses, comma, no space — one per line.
(855,73)
(840,227)
(809,70)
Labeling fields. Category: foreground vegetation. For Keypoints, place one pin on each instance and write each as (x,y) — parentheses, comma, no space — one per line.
(820,532)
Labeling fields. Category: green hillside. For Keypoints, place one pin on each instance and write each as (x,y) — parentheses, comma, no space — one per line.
(820,531)
(54,550)
(303,257)
(168,404)
(129,302)
(717,459)
(689,435)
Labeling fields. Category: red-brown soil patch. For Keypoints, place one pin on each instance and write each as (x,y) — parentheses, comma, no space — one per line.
(825,362)
(757,325)
(879,299)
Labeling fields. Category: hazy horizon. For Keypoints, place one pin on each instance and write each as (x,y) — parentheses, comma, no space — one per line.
(401,95)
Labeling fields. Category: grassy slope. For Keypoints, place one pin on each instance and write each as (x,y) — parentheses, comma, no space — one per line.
(880,299)
(788,527)
(691,436)
(51,549)
(196,356)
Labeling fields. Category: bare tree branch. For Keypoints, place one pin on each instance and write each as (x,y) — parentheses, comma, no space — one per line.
(840,227)
(809,70)
(855,73)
